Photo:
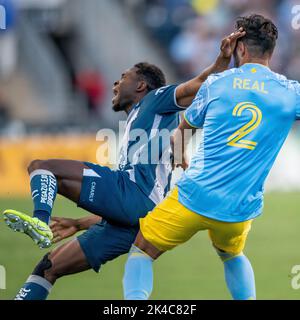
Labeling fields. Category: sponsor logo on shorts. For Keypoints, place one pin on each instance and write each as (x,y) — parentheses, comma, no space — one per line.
(92,192)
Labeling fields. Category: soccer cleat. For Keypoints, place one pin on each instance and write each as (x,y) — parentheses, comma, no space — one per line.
(36,229)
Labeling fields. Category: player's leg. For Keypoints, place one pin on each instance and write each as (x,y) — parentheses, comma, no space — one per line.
(112,195)
(138,276)
(167,226)
(101,243)
(66,259)
(229,240)
(97,189)
(47,178)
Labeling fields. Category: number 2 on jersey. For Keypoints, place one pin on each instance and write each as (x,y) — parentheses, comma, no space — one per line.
(236,139)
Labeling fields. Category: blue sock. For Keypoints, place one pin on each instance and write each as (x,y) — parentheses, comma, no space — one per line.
(138,277)
(35,288)
(43,190)
(239,277)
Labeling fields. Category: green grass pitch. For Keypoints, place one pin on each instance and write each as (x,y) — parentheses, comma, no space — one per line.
(191,271)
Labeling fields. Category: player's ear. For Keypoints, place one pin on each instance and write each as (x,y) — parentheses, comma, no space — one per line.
(141,86)
(241,48)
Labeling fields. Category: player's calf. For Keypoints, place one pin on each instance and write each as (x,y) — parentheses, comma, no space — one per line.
(138,276)
(40,282)
(43,185)
(37,287)
(239,275)
(68,175)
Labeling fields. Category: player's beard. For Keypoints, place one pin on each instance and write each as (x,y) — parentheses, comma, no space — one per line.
(117,108)
(122,106)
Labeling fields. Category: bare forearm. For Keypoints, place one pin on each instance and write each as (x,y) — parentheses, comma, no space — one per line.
(85,222)
(186,92)
(221,64)
(179,142)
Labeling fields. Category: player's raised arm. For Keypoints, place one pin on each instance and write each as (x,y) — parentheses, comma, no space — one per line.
(186,92)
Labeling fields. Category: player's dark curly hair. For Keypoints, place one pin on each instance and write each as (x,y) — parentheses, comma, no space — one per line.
(261,34)
(150,73)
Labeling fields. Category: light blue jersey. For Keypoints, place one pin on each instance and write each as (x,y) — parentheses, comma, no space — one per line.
(246,114)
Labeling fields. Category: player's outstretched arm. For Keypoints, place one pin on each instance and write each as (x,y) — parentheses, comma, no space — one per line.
(186,92)
(63,228)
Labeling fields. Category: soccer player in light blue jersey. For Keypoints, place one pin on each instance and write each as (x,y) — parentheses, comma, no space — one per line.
(246,114)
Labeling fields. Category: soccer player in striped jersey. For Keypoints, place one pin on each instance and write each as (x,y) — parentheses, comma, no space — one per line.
(117,198)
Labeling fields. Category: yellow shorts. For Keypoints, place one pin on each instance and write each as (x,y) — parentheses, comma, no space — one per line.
(171,224)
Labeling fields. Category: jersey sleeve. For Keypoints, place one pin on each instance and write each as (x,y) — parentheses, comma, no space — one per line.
(165,100)
(195,114)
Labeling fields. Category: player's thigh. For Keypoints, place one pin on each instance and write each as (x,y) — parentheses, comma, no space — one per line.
(100,193)
(170,224)
(61,168)
(68,258)
(229,237)
(105,241)
(113,196)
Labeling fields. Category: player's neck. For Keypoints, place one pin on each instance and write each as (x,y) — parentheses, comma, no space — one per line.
(135,102)
(129,108)
(264,62)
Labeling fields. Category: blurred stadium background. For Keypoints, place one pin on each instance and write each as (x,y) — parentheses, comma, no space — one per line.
(58,60)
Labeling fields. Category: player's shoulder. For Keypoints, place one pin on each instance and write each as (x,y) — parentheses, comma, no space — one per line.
(215,77)
(289,84)
(160,99)
(159,95)
(159,92)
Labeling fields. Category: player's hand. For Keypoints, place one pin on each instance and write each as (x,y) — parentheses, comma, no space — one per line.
(229,43)
(63,228)
(183,163)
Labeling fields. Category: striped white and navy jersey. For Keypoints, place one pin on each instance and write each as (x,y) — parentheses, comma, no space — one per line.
(145,151)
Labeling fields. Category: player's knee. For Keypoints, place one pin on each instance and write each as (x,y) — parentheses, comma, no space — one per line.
(43,266)
(62,186)
(47,269)
(34,165)
(226,255)
(146,247)
(39,164)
